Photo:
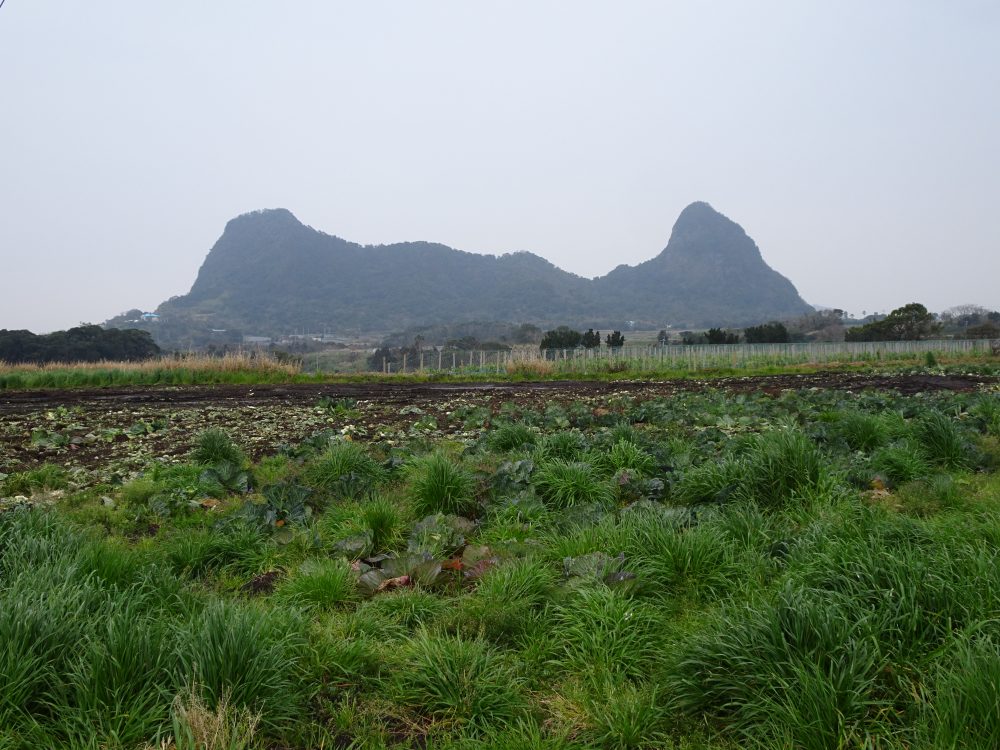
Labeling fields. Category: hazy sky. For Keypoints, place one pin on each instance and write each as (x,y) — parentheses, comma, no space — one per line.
(857,142)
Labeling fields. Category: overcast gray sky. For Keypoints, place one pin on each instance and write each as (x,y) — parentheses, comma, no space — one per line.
(855,141)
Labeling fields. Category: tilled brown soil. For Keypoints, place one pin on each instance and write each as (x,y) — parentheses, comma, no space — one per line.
(13,402)
(118,432)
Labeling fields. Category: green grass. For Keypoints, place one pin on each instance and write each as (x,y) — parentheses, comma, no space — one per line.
(214,447)
(247,370)
(563,484)
(704,571)
(440,485)
(345,469)
(458,680)
(319,583)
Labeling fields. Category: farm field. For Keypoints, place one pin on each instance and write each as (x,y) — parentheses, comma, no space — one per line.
(785,561)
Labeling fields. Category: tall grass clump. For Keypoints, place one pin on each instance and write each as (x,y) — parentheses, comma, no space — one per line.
(319,583)
(900,462)
(510,436)
(345,469)
(678,559)
(114,686)
(942,440)
(605,633)
(253,656)
(234,367)
(567,446)
(215,446)
(781,466)
(198,724)
(41,619)
(45,477)
(439,485)
(800,671)
(457,680)
(196,552)
(530,370)
(508,599)
(625,455)
(626,716)
(564,484)
(713,481)
(862,431)
(986,413)
(384,520)
(964,710)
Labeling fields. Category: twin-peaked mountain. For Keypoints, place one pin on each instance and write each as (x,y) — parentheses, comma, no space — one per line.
(271,274)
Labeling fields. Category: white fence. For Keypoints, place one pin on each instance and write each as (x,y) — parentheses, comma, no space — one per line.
(687,357)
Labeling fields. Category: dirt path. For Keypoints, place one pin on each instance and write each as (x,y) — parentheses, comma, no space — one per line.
(14,402)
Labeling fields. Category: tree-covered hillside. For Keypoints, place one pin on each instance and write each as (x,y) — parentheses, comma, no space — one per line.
(271,274)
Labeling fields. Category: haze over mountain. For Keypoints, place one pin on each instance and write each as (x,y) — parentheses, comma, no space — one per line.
(268,273)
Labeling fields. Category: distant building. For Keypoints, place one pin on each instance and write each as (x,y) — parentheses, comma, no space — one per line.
(151,317)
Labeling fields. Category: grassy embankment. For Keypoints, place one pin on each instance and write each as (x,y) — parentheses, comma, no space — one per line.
(815,570)
(249,369)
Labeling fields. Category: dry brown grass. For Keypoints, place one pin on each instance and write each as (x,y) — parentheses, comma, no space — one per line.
(196,726)
(232,362)
(536,368)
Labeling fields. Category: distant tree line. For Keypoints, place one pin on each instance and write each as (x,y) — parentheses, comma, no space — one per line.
(906,323)
(86,343)
(565,337)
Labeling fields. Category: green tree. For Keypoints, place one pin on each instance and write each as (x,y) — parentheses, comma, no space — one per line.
(615,340)
(591,339)
(907,323)
(719,336)
(768,333)
(562,337)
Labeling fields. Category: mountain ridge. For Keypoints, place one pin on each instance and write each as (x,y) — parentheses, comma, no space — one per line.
(270,273)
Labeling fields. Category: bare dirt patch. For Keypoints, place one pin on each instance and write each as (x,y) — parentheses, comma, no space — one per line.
(111,434)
